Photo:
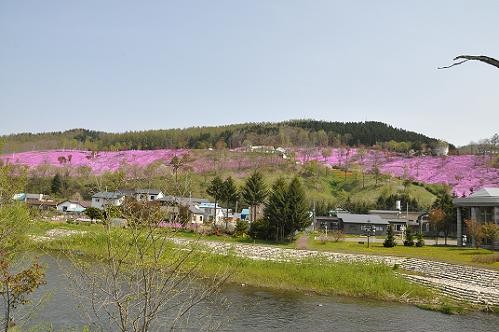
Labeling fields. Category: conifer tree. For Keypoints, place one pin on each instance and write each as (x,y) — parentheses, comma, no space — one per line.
(299,215)
(276,211)
(229,195)
(420,242)
(390,238)
(56,185)
(215,190)
(254,192)
(409,238)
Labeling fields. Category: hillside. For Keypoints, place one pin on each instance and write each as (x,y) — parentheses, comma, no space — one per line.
(461,173)
(294,133)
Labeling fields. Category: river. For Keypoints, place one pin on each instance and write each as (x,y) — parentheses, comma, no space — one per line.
(255,309)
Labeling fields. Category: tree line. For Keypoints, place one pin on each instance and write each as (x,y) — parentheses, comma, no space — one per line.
(294,133)
(285,207)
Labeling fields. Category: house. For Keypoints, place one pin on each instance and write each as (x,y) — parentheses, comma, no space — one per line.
(210,211)
(357,224)
(143,195)
(24,197)
(172,206)
(330,223)
(38,201)
(481,206)
(41,205)
(106,198)
(69,206)
(197,215)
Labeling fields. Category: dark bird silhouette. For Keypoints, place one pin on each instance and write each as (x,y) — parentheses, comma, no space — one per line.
(464,58)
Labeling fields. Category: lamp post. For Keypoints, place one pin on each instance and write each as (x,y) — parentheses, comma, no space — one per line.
(370,231)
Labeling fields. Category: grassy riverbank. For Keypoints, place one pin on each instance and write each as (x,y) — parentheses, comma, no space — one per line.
(450,254)
(372,281)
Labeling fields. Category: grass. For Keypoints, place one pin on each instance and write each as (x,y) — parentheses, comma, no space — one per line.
(455,255)
(313,275)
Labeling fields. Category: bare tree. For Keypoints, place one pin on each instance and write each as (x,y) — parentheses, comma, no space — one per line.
(464,58)
(142,280)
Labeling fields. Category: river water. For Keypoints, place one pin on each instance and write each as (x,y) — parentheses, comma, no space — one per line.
(254,309)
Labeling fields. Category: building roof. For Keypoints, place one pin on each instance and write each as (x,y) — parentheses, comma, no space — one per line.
(182,200)
(108,195)
(208,205)
(362,219)
(484,197)
(486,192)
(40,203)
(132,192)
(33,196)
(84,204)
(195,210)
(148,191)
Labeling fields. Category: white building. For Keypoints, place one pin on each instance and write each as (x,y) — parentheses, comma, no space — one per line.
(69,206)
(143,195)
(209,212)
(105,198)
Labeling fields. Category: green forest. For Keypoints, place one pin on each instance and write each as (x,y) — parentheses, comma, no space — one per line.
(293,133)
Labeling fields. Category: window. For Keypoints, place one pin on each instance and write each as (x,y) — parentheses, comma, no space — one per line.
(97,200)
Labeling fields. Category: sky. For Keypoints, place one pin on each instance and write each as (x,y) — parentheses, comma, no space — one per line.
(134,65)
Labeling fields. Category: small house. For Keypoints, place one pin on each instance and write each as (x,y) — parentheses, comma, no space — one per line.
(105,198)
(357,223)
(211,211)
(143,195)
(69,206)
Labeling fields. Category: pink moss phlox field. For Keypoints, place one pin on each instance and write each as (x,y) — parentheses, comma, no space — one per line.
(460,172)
(463,173)
(99,162)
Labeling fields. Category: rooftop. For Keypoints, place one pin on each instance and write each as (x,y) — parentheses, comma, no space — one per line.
(362,219)
(486,196)
(108,195)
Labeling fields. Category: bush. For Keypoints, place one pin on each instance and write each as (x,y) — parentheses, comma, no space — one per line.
(390,239)
(302,243)
(486,259)
(409,238)
(420,242)
(259,229)
(323,238)
(241,228)
(338,236)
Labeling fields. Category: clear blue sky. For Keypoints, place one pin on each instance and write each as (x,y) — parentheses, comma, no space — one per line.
(127,65)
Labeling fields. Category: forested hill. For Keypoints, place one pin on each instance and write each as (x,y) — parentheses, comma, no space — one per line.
(294,133)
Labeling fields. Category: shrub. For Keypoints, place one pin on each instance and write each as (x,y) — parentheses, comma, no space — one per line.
(241,228)
(338,236)
(420,242)
(323,238)
(390,238)
(486,259)
(490,233)
(259,229)
(302,243)
(409,238)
